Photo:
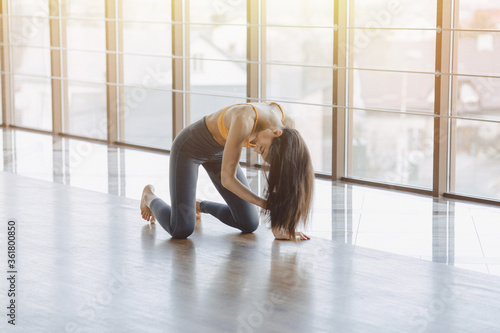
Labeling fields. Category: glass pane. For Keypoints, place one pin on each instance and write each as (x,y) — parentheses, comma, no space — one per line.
(218,42)
(147,10)
(477,97)
(147,117)
(412,50)
(298,13)
(394,91)
(392,148)
(87,110)
(33,102)
(217,11)
(148,72)
(147,113)
(206,77)
(33,155)
(142,167)
(295,45)
(30,31)
(315,125)
(87,66)
(478,53)
(477,158)
(479,14)
(30,7)
(31,60)
(395,14)
(86,35)
(147,38)
(88,165)
(202,105)
(87,8)
(301,84)
(324,223)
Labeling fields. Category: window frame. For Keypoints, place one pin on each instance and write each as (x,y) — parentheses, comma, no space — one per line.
(446,86)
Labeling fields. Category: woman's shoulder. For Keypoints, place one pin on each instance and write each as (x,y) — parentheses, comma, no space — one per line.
(243,110)
(252,107)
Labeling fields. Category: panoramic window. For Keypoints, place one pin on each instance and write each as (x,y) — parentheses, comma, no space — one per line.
(109,70)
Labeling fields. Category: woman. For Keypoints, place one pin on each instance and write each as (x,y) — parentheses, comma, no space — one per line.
(216,142)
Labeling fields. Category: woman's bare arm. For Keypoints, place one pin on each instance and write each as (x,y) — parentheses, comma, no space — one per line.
(240,129)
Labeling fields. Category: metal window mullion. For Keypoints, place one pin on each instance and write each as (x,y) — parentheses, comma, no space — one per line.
(55,69)
(178,68)
(454,94)
(339,90)
(122,111)
(114,63)
(186,64)
(111,72)
(64,66)
(253,94)
(349,123)
(263,49)
(6,84)
(441,97)
(58,157)
(253,48)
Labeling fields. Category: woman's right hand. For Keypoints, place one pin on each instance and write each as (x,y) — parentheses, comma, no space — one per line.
(262,203)
(284,235)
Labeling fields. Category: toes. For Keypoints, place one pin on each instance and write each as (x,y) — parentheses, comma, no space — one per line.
(147,215)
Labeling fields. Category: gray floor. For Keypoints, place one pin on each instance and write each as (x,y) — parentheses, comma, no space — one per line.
(88,263)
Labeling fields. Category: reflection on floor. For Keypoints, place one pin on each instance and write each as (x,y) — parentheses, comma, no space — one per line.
(459,234)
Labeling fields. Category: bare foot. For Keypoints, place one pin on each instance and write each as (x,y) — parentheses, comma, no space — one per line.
(198,210)
(147,196)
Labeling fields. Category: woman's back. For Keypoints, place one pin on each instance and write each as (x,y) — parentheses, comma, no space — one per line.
(259,114)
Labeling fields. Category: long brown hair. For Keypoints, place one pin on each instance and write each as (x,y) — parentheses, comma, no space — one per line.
(290,182)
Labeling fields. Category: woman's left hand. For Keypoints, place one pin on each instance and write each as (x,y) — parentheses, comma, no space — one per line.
(283,235)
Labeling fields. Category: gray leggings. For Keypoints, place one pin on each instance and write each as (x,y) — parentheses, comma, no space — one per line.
(195,146)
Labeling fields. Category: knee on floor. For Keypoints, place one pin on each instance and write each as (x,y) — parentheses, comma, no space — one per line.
(250,226)
(183,232)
